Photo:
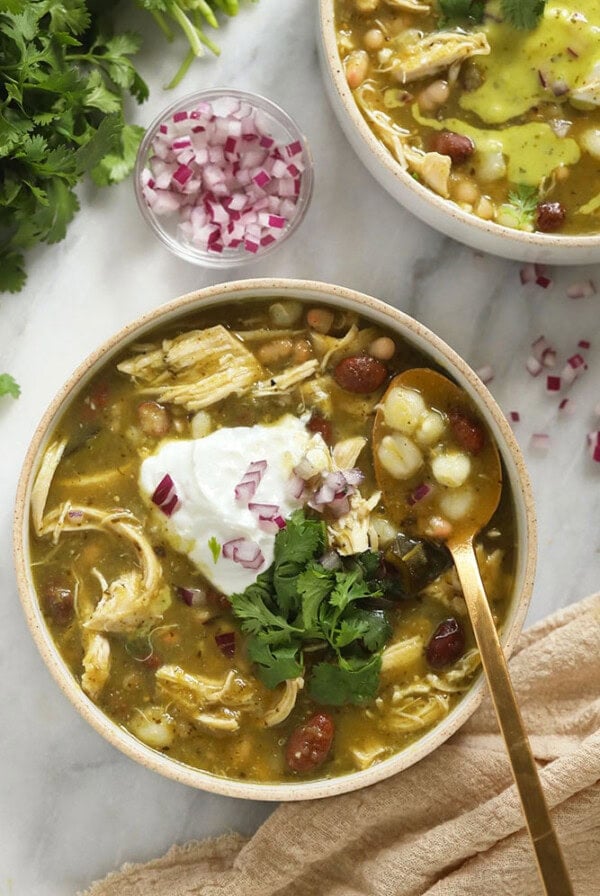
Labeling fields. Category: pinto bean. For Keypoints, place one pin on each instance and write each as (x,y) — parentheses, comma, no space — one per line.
(356,65)
(457,146)
(319,424)
(468,432)
(360,374)
(447,643)
(550,216)
(154,418)
(57,602)
(308,745)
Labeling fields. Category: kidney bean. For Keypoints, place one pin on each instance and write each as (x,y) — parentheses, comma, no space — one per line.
(57,602)
(550,216)
(360,374)
(319,424)
(447,643)
(154,419)
(457,146)
(468,432)
(308,745)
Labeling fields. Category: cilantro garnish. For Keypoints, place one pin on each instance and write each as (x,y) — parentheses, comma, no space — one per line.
(520,210)
(8,386)
(297,609)
(459,10)
(214,547)
(523,14)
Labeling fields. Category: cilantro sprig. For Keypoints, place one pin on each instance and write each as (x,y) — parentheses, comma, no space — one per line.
(298,610)
(8,386)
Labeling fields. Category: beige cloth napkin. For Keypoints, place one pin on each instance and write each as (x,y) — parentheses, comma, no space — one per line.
(450,825)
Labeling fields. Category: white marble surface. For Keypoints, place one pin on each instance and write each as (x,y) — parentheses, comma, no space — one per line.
(72,807)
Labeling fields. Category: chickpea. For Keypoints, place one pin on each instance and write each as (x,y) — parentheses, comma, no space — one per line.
(383,348)
(275,351)
(485,209)
(434,95)
(356,65)
(320,319)
(374,39)
(302,351)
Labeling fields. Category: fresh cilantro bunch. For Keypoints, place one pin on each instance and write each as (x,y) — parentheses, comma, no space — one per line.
(299,614)
(64,76)
(521,209)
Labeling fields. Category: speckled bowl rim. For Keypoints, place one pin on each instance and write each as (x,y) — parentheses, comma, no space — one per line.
(410,330)
(449,210)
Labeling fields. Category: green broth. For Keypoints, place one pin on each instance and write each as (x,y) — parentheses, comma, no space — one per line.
(102,429)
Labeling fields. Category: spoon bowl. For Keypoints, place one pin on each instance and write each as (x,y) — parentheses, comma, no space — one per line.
(419,407)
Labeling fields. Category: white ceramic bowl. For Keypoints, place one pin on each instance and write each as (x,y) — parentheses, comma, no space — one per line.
(424,341)
(439,213)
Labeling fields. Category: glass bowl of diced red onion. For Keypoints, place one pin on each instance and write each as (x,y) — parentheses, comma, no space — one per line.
(223,177)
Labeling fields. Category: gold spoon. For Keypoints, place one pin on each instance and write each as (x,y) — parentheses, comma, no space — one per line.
(439,393)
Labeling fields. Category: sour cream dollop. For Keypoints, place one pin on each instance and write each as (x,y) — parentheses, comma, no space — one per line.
(205,473)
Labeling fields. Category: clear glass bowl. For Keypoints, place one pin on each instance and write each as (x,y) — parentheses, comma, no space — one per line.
(167,227)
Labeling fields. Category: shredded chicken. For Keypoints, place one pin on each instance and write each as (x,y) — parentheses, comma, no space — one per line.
(137,597)
(409,5)
(283,382)
(196,369)
(43,481)
(399,656)
(285,704)
(96,665)
(435,53)
(194,695)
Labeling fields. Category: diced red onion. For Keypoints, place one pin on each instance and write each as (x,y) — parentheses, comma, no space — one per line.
(226,643)
(581,290)
(566,407)
(193,597)
(543,281)
(584,344)
(330,561)
(543,352)
(533,366)
(514,416)
(594,445)
(540,441)
(485,374)
(245,552)
(339,506)
(296,486)
(230,160)
(553,384)
(573,369)
(527,274)
(420,492)
(246,489)
(165,496)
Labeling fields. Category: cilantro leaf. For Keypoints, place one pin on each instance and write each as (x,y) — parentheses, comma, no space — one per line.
(523,14)
(458,10)
(349,586)
(352,681)
(214,547)
(8,386)
(275,664)
(314,584)
(520,210)
(378,631)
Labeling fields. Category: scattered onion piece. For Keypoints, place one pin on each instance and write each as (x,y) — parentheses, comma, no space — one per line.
(514,416)
(193,597)
(246,488)
(420,492)
(165,496)
(533,366)
(594,445)
(226,643)
(540,441)
(553,384)
(245,552)
(485,374)
(584,344)
(582,290)
(566,407)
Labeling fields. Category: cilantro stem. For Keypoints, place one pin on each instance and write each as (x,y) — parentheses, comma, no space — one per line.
(162,24)
(186,26)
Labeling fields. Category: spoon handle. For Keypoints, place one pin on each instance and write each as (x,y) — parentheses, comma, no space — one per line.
(551,864)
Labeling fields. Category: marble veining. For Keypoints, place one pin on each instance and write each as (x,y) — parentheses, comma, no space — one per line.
(72,807)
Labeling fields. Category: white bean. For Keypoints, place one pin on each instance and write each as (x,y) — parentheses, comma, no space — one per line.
(374,39)
(434,95)
(154,726)
(382,348)
(356,65)
(201,424)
